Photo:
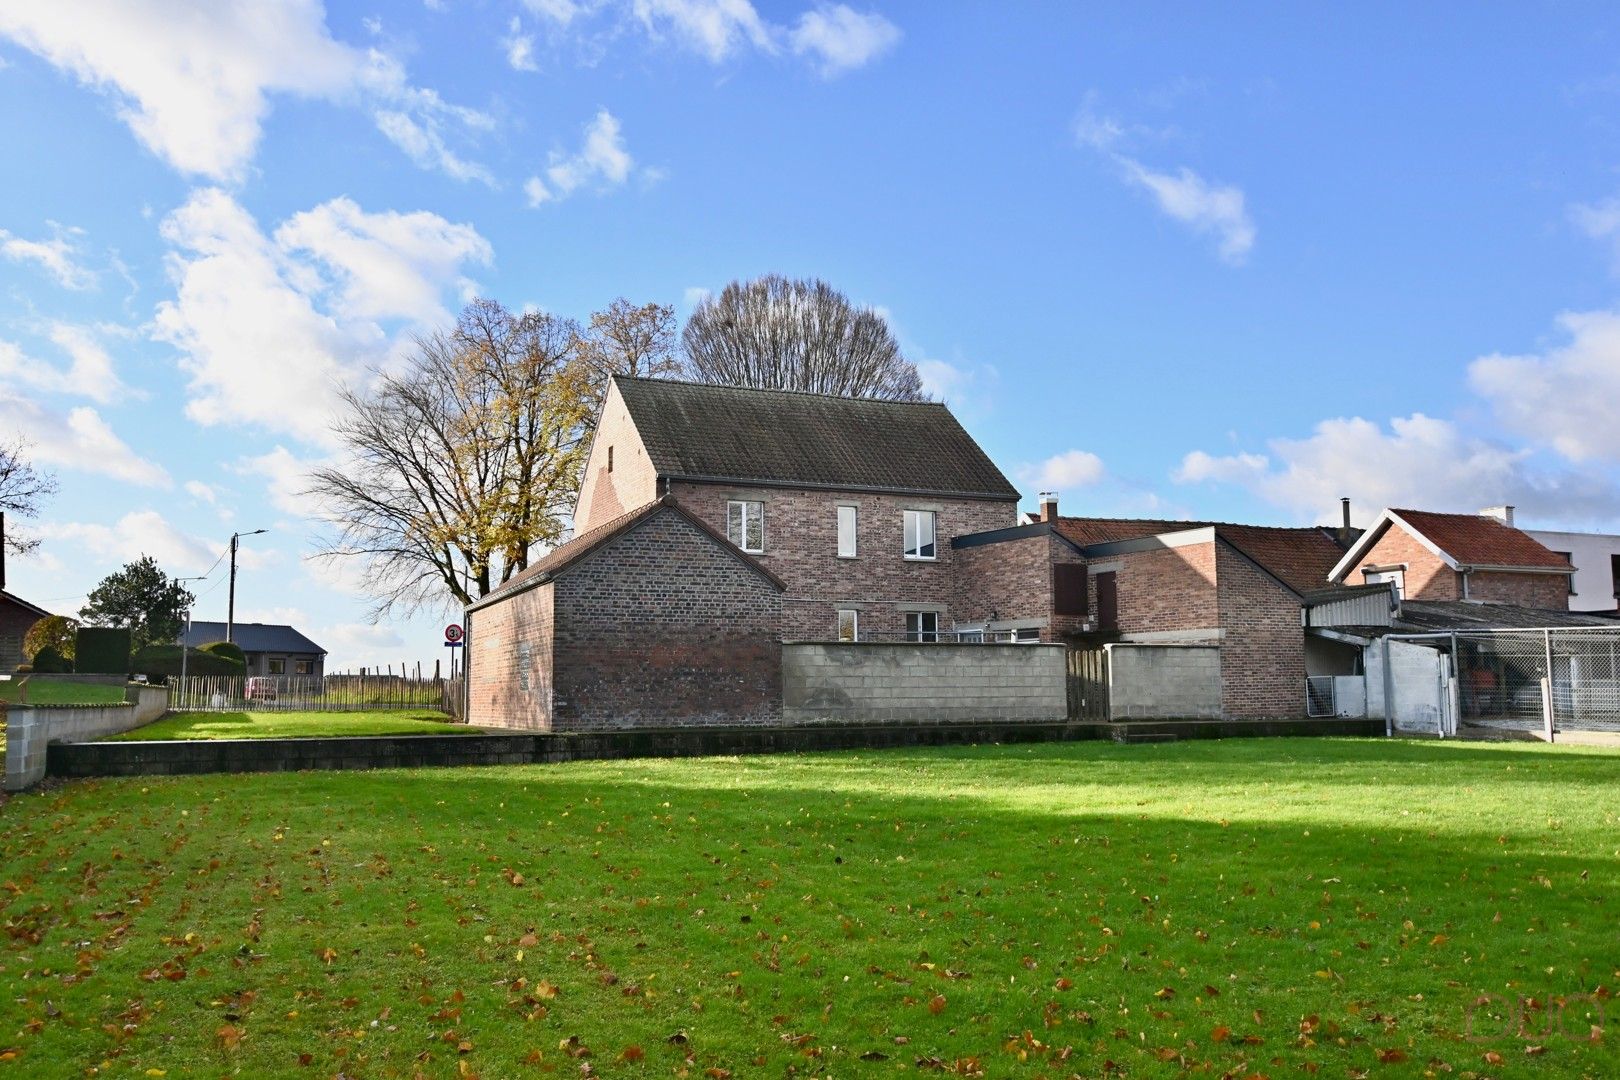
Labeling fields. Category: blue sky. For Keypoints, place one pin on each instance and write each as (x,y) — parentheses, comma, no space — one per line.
(1166,260)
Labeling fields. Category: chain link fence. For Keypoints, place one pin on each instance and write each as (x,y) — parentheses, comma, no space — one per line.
(1533,681)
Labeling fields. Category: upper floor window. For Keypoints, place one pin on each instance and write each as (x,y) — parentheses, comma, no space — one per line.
(849,624)
(919,534)
(745,525)
(846,532)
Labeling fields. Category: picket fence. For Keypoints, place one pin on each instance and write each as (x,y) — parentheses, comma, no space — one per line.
(311,693)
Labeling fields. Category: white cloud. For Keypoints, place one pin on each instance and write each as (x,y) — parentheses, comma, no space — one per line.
(420,123)
(271,327)
(1068,470)
(693,295)
(519,47)
(351,646)
(1206,208)
(715,28)
(1567,396)
(287,476)
(201,492)
(602,159)
(843,38)
(137,533)
(561,12)
(1419,462)
(57,256)
(194,83)
(81,440)
(90,372)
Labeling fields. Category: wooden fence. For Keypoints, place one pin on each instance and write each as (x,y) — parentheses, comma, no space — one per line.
(311,693)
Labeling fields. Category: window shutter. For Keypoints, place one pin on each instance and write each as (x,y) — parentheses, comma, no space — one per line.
(1069,589)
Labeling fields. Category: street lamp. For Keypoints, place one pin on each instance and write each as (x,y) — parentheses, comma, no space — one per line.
(187,631)
(230,610)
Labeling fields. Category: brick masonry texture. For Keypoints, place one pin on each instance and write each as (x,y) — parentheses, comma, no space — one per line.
(801,548)
(15,623)
(661,626)
(914,682)
(1165,589)
(1262,647)
(1429,578)
(1013,581)
(633,482)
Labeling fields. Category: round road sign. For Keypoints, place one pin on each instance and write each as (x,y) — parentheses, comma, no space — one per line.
(452,632)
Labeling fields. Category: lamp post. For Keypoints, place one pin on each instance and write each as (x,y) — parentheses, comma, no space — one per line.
(230,609)
(185,633)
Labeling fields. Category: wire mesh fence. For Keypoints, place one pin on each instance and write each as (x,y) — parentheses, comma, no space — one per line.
(311,693)
(1541,681)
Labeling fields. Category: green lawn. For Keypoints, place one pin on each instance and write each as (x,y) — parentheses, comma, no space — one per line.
(51,692)
(1276,908)
(297,725)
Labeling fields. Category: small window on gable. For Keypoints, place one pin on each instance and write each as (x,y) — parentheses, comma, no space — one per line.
(1374,577)
(849,624)
(745,525)
(1569,557)
(846,532)
(919,534)
(610,459)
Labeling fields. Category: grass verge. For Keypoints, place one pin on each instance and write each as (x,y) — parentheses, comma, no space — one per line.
(296,725)
(53,692)
(1258,907)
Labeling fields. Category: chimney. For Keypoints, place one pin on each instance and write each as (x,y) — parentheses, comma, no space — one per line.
(1049,506)
(1504,514)
(1345,505)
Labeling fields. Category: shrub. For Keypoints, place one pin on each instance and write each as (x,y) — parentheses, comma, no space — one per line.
(102,650)
(229,649)
(157,661)
(48,660)
(55,630)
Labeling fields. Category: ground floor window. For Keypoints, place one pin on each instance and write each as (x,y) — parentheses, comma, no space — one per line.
(1029,634)
(849,624)
(303,667)
(276,665)
(922,626)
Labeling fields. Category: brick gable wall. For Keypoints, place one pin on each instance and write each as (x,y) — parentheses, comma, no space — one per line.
(496,636)
(1164,589)
(801,548)
(1427,575)
(632,483)
(1262,646)
(1549,591)
(1012,580)
(663,627)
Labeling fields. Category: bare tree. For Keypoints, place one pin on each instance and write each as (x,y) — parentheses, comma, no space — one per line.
(22,489)
(457,465)
(779,334)
(624,339)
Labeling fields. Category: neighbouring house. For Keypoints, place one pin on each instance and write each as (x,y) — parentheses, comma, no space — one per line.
(1595,585)
(650,619)
(852,503)
(1430,556)
(270,648)
(1234,590)
(17,617)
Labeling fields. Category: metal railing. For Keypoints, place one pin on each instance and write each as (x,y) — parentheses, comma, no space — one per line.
(950,637)
(1319,696)
(310,693)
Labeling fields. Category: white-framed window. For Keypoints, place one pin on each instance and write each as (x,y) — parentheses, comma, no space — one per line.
(849,624)
(919,534)
(745,525)
(847,517)
(1397,576)
(922,625)
(1027,636)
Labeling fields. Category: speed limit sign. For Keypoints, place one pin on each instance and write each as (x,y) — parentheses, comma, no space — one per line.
(452,634)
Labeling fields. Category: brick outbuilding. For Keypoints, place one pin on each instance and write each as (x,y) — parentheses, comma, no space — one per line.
(651,619)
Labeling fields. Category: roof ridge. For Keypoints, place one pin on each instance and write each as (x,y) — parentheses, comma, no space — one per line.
(774,390)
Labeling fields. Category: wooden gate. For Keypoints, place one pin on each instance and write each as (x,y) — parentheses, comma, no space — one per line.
(1088,685)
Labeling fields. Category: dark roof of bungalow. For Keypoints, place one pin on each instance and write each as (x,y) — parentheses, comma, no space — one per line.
(252,637)
(790,438)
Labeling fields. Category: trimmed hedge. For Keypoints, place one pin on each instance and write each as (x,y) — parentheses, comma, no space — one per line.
(49,661)
(101,650)
(228,649)
(164,660)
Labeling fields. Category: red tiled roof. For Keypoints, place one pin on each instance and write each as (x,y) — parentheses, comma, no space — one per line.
(1476,540)
(1300,558)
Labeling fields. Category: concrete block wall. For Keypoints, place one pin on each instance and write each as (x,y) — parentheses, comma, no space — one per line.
(896,682)
(1164,682)
(30,728)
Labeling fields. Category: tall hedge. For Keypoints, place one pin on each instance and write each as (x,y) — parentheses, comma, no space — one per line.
(164,660)
(101,650)
(48,660)
(228,649)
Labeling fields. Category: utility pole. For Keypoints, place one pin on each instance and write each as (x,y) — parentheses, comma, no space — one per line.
(230,608)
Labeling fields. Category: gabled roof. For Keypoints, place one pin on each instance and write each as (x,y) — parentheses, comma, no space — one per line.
(694,431)
(1087,531)
(560,558)
(1462,541)
(1298,558)
(14,599)
(252,637)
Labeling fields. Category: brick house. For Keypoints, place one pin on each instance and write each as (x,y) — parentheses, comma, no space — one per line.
(1431,556)
(652,618)
(850,502)
(17,617)
(1090,581)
